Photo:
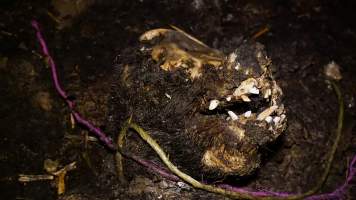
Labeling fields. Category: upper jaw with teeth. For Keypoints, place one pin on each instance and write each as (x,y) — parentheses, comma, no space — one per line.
(253,115)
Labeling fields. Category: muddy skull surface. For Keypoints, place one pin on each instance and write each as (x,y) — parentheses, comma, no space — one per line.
(211,111)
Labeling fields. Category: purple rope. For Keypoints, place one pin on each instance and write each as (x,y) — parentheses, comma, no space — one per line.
(71,104)
(155,168)
(254,193)
(341,191)
(338,193)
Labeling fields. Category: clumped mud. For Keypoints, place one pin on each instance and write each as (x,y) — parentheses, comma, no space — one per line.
(85,37)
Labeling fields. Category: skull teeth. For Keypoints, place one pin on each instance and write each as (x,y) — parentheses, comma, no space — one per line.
(268,119)
(267,112)
(276,120)
(213,104)
(247,114)
(245,98)
(232,115)
(254,90)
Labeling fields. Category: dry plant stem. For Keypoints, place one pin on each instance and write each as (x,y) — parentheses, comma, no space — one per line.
(29,178)
(118,155)
(153,144)
(241,194)
(148,164)
(340,122)
(260,32)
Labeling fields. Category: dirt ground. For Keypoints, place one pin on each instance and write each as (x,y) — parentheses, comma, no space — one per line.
(85,37)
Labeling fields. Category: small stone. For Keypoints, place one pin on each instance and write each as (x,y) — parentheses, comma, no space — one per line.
(183,185)
(50,165)
(43,100)
(163,184)
(332,71)
(180,184)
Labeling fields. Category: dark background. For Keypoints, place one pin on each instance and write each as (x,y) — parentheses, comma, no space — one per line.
(85,36)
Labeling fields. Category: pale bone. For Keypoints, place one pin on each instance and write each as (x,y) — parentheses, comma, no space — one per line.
(245,98)
(268,93)
(237,66)
(245,87)
(232,57)
(149,35)
(266,113)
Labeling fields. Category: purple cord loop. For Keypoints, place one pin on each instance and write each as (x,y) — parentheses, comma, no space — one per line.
(155,168)
(71,104)
(338,193)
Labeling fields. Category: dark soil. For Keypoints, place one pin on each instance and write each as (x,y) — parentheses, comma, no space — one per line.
(35,125)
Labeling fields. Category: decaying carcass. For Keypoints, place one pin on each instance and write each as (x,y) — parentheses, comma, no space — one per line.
(210,112)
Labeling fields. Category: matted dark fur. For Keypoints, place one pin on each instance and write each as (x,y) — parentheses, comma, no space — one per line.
(173,107)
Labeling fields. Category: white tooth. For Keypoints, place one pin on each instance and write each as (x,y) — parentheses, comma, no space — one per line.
(267,93)
(228,118)
(276,120)
(247,114)
(283,116)
(245,98)
(254,90)
(266,113)
(268,119)
(168,96)
(228,98)
(232,115)
(237,66)
(213,104)
(245,87)
(232,57)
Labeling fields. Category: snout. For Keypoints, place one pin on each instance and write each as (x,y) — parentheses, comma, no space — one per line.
(229,162)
